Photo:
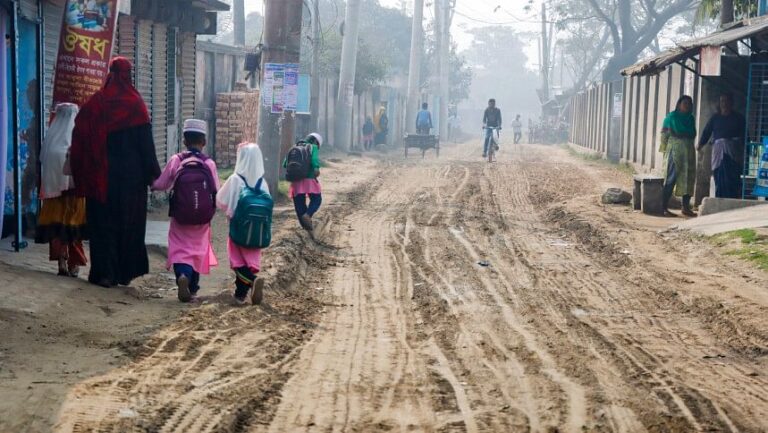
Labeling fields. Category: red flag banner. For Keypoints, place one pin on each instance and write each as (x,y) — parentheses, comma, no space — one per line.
(85,48)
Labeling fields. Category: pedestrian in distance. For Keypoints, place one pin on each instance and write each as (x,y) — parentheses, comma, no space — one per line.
(726,129)
(113,163)
(245,199)
(424,120)
(677,144)
(517,129)
(192,177)
(302,169)
(61,222)
(368,133)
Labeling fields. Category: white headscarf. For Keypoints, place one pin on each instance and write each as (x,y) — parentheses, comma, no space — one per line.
(249,166)
(54,150)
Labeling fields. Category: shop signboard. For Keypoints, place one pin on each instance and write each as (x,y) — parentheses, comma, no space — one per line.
(85,47)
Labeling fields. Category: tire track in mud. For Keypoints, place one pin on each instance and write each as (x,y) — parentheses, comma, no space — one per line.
(560,333)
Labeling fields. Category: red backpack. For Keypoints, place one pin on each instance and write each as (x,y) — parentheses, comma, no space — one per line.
(193,198)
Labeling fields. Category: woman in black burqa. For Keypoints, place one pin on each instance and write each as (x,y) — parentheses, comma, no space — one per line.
(113,162)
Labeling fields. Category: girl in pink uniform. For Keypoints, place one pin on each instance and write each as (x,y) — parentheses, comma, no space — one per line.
(309,187)
(246,262)
(189,246)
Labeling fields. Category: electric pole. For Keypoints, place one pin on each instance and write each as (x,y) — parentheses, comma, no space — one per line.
(282,42)
(445,51)
(346,95)
(238,20)
(436,84)
(414,66)
(544,55)
(314,99)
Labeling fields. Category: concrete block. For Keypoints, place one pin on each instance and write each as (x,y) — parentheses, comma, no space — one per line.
(713,205)
(653,194)
(648,194)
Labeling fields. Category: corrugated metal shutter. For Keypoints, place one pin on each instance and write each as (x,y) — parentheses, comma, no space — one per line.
(143,64)
(52,14)
(28,9)
(126,38)
(171,76)
(188,67)
(160,90)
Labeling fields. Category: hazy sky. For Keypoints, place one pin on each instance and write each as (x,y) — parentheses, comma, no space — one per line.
(469,14)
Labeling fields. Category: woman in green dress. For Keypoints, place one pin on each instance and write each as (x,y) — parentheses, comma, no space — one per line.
(677,144)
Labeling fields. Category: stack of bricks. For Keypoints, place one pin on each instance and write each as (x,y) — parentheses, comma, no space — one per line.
(237,117)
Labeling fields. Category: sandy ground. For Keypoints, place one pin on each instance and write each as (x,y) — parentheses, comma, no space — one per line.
(448,294)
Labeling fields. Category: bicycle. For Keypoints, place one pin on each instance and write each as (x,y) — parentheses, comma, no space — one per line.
(493,146)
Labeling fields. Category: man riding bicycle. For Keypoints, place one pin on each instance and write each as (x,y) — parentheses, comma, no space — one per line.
(491,120)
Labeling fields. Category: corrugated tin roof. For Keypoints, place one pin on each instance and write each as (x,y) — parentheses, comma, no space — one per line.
(688,49)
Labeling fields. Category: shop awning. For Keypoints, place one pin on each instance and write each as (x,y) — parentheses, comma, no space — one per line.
(688,49)
(211,5)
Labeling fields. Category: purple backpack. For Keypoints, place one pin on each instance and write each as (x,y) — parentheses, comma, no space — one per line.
(193,199)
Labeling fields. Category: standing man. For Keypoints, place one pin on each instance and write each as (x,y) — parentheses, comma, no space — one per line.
(726,129)
(491,119)
(517,128)
(424,120)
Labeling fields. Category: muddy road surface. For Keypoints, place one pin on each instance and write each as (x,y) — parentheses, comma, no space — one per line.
(450,295)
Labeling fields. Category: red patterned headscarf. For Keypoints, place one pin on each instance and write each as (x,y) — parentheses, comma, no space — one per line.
(118,105)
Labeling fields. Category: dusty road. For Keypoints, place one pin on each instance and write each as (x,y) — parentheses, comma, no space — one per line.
(451,295)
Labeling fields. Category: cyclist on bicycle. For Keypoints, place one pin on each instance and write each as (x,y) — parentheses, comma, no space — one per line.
(491,119)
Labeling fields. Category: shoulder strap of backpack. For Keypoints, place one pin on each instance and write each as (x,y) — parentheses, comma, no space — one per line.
(257,188)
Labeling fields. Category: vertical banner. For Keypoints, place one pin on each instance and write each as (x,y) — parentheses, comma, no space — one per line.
(291,86)
(85,46)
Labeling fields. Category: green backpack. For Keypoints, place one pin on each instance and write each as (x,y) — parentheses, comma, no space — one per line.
(251,225)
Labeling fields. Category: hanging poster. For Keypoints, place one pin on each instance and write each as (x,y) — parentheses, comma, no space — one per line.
(291,86)
(278,95)
(280,87)
(302,107)
(85,46)
(268,82)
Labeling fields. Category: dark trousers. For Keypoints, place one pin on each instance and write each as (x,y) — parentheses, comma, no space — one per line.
(669,185)
(423,130)
(244,277)
(518,136)
(300,204)
(727,178)
(194,277)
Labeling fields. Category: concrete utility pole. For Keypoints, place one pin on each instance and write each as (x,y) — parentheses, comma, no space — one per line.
(346,93)
(435,80)
(544,55)
(414,66)
(445,52)
(282,42)
(238,19)
(314,99)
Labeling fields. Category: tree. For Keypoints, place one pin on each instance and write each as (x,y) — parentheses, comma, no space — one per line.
(725,10)
(632,25)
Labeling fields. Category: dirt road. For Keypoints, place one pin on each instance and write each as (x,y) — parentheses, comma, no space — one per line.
(452,295)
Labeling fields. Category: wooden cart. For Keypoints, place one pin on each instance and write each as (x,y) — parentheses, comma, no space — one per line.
(423,142)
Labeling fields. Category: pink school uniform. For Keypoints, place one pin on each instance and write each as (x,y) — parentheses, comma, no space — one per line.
(188,244)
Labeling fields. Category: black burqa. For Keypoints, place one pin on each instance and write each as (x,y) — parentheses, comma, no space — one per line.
(113,163)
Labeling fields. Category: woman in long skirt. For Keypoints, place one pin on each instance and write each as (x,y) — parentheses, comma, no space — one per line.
(61,222)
